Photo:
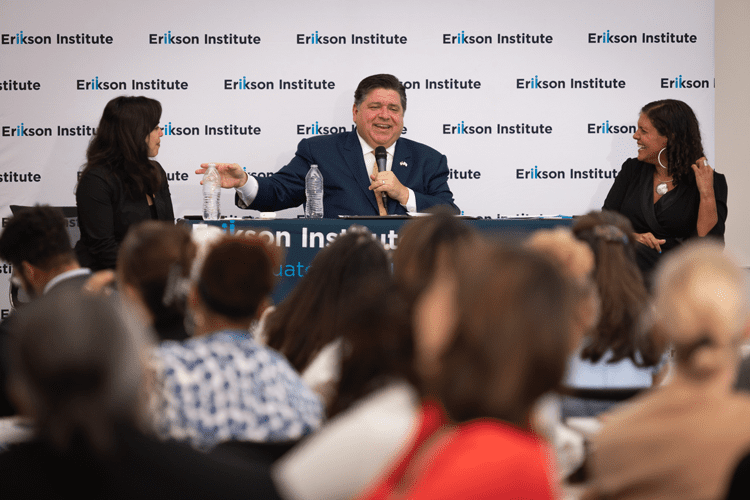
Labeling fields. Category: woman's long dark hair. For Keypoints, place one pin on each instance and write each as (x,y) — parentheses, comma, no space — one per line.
(340,278)
(346,294)
(120,144)
(676,121)
(621,288)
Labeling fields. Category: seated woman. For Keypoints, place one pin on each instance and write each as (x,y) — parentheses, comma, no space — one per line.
(503,355)
(669,192)
(221,385)
(76,372)
(617,353)
(119,185)
(684,439)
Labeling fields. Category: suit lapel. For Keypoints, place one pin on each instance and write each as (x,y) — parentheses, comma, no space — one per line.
(354,157)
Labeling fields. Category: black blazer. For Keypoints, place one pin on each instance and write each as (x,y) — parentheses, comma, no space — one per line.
(105,213)
(673,218)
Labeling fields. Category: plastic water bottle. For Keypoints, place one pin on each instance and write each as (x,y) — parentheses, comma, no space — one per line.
(211,193)
(314,193)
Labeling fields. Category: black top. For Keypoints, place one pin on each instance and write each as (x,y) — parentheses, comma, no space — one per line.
(105,213)
(739,487)
(141,467)
(673,218)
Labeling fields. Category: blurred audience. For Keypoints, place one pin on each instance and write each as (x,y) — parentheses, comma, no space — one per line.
(429,249)
(221,385)
(431,369)
(509,315)
(326,320)
(617,353)
(684,439)
(357,445)
(35,242)
(153,269)
(574,259)
(77,373)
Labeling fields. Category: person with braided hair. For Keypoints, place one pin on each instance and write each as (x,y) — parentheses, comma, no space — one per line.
(669,192)
(617,353)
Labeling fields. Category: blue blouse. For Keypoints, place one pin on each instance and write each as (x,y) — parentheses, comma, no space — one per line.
(225,386)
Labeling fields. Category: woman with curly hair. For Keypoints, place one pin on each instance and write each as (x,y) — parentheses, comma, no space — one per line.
(669,192)
(120,185)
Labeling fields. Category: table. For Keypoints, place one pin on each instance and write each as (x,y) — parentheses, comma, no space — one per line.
(303,238)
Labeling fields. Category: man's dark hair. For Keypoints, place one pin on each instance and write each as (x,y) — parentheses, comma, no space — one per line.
(39,236)
(382,81)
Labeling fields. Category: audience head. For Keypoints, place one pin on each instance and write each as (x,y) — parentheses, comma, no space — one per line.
(514,313)
(426,244)
(677,122)
(621,288)
(36,243)
(337,298)
(123,141)
(235,280)
(429,249)
(701,308)
(153,265)
(576,261)
(75,368)
(575,258)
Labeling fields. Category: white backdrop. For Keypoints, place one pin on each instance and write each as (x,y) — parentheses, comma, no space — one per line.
(572,32)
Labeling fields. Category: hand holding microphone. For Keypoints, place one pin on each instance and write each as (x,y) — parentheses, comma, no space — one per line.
(386,182)
(381,158)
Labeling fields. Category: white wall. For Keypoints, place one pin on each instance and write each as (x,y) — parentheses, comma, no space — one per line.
(733,118)
(568,55)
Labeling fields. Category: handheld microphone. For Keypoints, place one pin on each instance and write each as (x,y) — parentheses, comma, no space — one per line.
(381,158)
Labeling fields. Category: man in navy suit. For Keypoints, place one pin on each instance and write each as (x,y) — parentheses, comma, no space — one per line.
(416,176)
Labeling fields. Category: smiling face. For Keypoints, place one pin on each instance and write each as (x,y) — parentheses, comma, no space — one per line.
(380,118)
(153,140)
(650,141)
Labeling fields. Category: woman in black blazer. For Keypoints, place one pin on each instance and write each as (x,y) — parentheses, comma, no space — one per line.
(120,185)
